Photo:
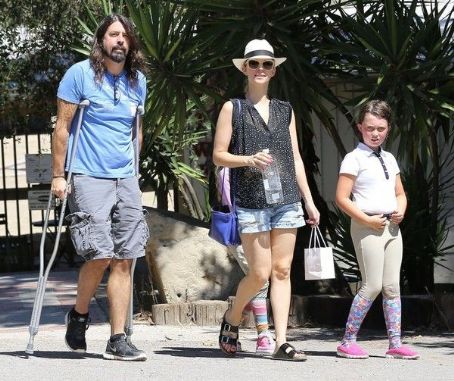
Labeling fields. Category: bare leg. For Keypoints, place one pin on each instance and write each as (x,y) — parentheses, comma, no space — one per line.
(118,293)
(257,251)
(90,276)
(282,246)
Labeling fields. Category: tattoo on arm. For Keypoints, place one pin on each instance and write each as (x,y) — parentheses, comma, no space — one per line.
(65,113)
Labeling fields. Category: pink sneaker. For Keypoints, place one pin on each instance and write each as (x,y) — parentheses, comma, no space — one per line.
(403,352)
(265,344)
(351,351)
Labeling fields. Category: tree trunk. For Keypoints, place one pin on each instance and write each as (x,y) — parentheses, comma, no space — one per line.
(162,196)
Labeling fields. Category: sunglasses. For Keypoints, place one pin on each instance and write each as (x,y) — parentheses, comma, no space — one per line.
(116,89)
(266,65)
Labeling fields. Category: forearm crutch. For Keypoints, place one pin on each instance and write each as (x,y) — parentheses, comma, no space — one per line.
(129,318)
(43,275)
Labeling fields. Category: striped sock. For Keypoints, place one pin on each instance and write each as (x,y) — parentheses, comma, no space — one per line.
(259,309)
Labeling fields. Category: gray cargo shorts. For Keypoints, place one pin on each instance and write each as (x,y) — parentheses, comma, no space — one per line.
(107,218)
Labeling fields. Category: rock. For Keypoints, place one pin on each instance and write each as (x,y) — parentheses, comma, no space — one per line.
(185,264)
(203,313)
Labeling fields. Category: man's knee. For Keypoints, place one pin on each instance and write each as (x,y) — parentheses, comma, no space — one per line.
(121,265)
(98,264)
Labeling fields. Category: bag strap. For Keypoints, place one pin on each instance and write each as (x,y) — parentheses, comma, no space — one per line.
(232,174)
(223,179)
(311,239)
(316,238)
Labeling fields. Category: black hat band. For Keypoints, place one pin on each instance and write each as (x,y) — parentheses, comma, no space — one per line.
(259,53)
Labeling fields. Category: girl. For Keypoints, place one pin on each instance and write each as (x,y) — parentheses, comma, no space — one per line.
(378,207)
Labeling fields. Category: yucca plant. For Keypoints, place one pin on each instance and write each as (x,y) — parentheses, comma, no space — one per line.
(294,29)
(187,62)
(402,51)
(163,169)
(425,245)
(181,40)
(342,244)
(174,93)
(385,49)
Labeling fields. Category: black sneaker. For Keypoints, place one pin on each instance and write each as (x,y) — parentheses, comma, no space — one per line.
(76,325)
(121,350)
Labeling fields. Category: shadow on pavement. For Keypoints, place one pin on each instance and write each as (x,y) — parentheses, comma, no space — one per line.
(440,344)
(53,355)
(320,353)
(200,352)
(335,335)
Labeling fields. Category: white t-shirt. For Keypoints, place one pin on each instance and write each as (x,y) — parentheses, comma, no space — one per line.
(372,192)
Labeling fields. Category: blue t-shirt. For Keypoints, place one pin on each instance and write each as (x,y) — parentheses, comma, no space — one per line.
(105,148)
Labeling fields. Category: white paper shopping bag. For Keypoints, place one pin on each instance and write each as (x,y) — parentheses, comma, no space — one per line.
(318,259)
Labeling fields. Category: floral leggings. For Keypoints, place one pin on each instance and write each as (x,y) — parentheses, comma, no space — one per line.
(379,256)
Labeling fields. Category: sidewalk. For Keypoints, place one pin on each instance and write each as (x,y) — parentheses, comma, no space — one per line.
(189,352)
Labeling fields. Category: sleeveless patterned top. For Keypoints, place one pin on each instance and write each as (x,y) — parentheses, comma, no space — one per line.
(250,134)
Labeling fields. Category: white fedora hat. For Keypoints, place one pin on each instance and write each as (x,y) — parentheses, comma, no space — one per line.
(260,49)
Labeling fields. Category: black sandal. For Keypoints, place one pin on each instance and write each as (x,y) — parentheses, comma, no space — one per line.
(228,335)
(288,352)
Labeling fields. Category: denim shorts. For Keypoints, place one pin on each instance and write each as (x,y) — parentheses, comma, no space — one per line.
(107,219)
(276,217)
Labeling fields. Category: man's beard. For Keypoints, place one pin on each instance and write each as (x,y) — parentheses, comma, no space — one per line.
(117,54)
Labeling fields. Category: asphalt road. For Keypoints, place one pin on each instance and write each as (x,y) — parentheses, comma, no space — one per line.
(190,352)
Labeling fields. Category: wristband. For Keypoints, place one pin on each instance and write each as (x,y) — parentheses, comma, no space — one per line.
(56,177)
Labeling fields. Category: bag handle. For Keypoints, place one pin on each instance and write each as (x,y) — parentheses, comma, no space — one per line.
(231,173)
(316,238)
(224,170)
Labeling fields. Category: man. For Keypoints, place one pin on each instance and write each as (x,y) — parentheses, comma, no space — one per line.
(106,221)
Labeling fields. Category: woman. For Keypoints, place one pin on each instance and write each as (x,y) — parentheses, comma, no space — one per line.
(268,231)
(378,207)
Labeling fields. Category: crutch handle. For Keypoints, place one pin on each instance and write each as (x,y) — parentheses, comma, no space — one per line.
(140,110)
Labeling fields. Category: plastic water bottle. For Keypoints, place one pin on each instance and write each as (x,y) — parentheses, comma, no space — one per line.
(272,183)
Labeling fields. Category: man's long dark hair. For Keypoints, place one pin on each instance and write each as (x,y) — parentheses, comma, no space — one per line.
(134,60)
